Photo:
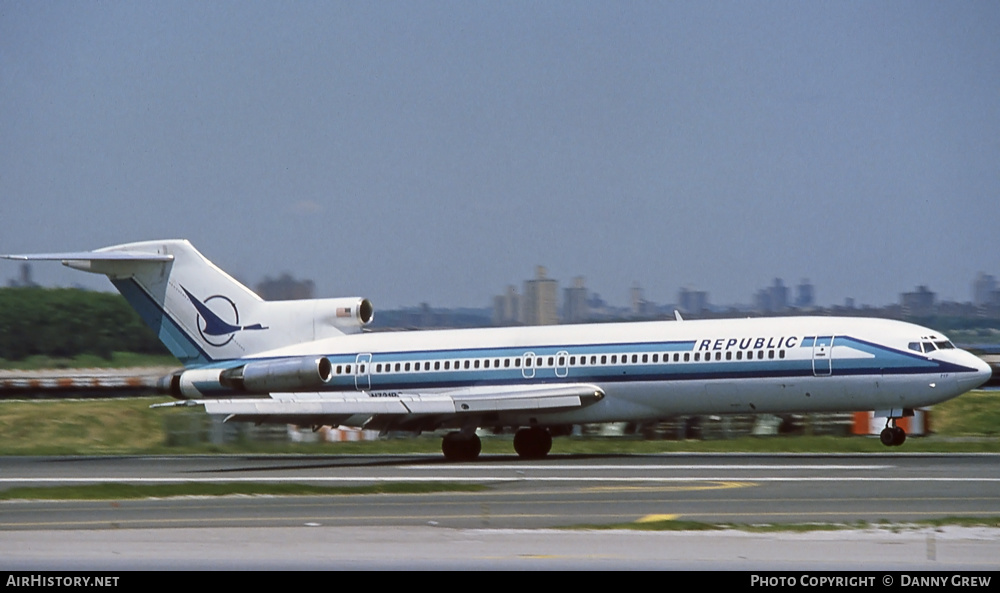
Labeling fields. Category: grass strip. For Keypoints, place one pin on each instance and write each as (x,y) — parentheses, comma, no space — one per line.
(114,491)
(129,427)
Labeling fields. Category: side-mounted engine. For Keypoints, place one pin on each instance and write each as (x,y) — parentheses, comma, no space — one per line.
(253,378)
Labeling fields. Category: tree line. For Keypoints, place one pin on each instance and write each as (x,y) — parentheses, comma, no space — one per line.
(66,322)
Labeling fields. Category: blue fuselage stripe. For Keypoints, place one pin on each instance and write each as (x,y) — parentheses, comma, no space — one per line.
(884,361)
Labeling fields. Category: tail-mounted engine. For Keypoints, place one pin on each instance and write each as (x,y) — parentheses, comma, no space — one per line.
(348,315)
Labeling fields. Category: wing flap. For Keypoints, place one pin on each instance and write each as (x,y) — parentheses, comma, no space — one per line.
(468,400)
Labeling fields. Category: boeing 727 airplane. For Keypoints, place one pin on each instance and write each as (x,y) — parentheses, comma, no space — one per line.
(309,362)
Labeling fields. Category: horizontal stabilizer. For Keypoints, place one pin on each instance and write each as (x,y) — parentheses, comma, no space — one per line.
(92,256)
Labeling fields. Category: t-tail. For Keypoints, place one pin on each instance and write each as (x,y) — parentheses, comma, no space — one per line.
(202,314)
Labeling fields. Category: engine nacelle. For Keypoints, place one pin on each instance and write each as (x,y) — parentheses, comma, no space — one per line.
(348,315)
(262,377)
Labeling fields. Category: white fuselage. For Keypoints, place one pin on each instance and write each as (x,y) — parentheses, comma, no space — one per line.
(658,369)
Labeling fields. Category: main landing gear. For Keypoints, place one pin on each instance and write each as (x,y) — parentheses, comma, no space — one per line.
(458,446)
(533,443)
(530,443)
(892,435)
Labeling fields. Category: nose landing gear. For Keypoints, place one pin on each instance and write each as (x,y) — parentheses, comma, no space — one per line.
(892,435)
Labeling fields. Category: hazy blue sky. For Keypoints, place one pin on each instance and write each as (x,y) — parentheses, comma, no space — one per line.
(438,151)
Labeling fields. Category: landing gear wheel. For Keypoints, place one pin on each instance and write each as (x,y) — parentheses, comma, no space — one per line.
(892,436)
(459,447)
(532,443)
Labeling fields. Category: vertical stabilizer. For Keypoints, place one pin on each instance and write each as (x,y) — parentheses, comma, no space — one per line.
(202,314)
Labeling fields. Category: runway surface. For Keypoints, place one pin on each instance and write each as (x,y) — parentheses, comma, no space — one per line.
(557,492)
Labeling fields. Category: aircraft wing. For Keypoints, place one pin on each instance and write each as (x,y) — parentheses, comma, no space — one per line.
(466,400)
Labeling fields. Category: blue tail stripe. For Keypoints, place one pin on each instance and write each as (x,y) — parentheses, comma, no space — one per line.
(167,330)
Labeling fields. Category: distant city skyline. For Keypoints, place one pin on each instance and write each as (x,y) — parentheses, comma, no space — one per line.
(437,152)
(983,289)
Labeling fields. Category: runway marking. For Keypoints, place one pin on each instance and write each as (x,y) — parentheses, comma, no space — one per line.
(657,518)
(405,478)
(368,520)
(710,486)
(492,467)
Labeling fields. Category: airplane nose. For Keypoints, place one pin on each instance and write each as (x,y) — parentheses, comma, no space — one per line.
(981,375)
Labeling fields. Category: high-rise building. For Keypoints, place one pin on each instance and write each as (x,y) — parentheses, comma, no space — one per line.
(638,304)
(984,289)
(24,279)
(773,299)
(692,301)
(575,306)
(918,302)
(540,305)
(805,297)
(507,307)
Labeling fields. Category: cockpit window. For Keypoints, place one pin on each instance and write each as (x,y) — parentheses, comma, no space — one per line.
(944,345)
(915,346)
(929,347)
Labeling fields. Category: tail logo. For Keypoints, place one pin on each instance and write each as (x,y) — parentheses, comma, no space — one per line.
(212,326)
